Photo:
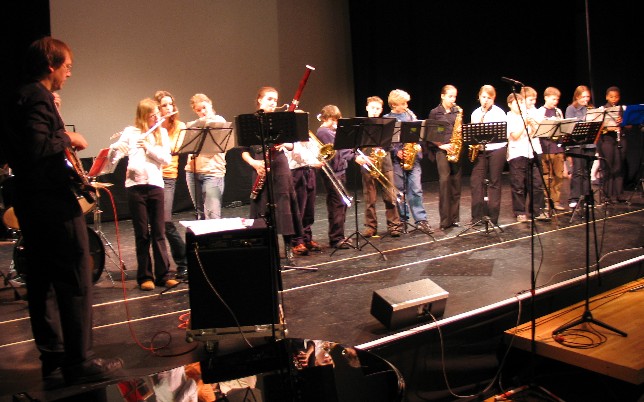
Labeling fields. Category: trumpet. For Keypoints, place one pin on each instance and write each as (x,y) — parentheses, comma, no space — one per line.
(375,171)
(325,154)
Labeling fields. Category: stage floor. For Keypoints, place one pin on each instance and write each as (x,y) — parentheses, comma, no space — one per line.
(333,302)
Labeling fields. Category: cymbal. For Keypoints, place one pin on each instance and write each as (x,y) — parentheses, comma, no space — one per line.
(101,185)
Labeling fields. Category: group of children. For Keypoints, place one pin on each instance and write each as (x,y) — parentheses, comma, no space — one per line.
(537,166)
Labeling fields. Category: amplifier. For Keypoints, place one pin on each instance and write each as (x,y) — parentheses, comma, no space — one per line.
(409,303)
(233,285)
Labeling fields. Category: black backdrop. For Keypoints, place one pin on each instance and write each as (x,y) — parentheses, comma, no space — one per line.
(420,46)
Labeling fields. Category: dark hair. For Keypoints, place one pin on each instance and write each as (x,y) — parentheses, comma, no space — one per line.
(613,89)
(44,53)
(158,96)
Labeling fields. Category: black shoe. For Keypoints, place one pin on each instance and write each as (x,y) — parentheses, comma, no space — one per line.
(51,363)
(182,273)
(93,370)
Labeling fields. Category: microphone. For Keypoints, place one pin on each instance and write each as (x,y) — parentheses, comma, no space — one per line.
(512,81)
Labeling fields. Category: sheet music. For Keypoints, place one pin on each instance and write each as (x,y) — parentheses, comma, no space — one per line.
(201,227)
(608,115)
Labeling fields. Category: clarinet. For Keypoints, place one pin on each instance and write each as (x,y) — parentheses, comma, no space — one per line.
(258,185)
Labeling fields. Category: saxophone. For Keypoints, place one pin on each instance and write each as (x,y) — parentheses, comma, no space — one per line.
(456,140)
(410,150)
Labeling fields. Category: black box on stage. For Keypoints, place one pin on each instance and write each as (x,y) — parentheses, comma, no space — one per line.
(409,303)
(233,284)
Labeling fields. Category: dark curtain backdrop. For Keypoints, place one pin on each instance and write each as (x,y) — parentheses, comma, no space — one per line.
(420,46)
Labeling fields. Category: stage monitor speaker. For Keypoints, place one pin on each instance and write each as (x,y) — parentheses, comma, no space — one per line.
(409,303)
(232,283)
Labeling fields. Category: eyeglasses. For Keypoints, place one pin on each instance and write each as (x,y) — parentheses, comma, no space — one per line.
(68,67)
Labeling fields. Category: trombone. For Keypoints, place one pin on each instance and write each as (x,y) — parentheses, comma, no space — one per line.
(325,154)
(377,174)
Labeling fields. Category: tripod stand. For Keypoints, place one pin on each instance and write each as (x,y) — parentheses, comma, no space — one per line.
(482,134)
(587,316)
(98,228)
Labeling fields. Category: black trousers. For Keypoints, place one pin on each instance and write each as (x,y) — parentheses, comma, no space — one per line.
(520,170)
(336,209)
(59,284)
(490,164)
(146,207)
(305,188)
(449,189)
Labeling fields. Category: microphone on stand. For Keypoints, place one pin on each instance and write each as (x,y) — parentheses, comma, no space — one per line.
(512,81)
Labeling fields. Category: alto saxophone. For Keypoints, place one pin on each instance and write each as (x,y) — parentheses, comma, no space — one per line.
(454,154)
(410,150)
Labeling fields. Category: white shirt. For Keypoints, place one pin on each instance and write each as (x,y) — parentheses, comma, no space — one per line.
(494,114)
(520,147)
(143,167)
(304,153)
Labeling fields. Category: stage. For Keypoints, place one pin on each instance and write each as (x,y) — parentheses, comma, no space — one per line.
(487,275)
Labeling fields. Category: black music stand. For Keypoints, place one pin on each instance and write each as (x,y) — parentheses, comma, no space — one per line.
(265,130)
(481,134)
(585,133)
(203,137)
(409,132)
(354,133)
(555,130)
(579,134)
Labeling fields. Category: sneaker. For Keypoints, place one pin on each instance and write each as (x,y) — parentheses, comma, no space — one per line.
(522,218)
(424,227)
(572,204)
(542,217)
(369,232)
(300,250)
(170,283)
(560,207)
(93,370)
(313,246)
(147,286)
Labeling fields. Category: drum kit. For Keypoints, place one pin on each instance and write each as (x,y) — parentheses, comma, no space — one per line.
(97,239)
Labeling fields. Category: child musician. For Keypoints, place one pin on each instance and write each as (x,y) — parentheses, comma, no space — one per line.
(398,102)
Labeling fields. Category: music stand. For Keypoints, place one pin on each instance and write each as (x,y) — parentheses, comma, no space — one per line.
(353,133)
(267,129)
(203,137)
(634,116)
(482,134)
(555,130)
(408,132)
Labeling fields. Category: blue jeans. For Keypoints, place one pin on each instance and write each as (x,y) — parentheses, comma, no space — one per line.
(177,245)
(210,190)
(414,194)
